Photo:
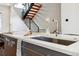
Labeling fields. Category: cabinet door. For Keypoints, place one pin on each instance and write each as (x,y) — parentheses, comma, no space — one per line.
(30,52)
(38,50)
(10,47)
(10,50)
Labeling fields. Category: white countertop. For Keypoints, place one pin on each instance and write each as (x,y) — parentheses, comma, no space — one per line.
(72,49)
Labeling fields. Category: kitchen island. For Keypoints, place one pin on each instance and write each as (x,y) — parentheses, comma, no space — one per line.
(71,49)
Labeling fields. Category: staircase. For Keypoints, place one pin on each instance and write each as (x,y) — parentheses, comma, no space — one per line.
(30,13)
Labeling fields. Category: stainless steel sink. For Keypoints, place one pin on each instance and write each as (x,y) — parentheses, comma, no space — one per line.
(53,40)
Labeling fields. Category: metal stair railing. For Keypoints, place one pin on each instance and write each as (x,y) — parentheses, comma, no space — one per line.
(36,25)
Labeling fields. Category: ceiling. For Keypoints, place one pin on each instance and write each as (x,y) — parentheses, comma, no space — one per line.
(6,4)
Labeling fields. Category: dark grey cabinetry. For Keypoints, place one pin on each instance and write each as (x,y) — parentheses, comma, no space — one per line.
(29,49)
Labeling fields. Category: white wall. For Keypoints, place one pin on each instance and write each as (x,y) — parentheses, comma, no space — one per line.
(70,11)
(51,11)
(0,22)
(17,24)
(5,10)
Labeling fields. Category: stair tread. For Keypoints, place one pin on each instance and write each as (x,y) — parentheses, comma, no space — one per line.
(37,4)
(31,15)
(35,8)
(31,12)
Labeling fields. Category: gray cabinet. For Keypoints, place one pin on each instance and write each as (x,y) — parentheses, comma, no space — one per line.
(29,49)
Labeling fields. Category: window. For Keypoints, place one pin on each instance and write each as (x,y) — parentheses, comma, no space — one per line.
(19,5)
(0,22)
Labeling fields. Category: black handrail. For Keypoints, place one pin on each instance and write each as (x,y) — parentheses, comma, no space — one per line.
(28,10)
(36,25)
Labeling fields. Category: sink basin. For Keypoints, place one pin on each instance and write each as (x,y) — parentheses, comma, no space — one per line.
(54,40)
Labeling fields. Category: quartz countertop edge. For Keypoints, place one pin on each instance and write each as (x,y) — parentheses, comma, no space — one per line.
(70,49)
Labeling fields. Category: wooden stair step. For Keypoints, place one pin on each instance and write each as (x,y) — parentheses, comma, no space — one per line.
(30,15)
(35,7)
(33,10)
(37,4)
